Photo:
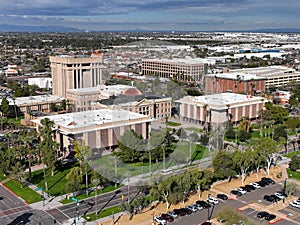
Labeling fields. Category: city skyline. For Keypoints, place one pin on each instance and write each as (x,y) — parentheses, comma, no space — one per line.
(177,15)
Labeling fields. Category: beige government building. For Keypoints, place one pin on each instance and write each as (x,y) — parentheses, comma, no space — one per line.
(74,72)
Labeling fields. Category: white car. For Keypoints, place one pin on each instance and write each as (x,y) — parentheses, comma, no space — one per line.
(256,185)
(160,220)
(279,195)
(241,190)
(295,203)
(192,207)
(212,200)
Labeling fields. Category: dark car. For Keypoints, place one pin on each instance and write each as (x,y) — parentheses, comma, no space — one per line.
(261,183)
(179,212)
(204,204)
(206,223)
(246,188)
(222,196)
(276,198)
(167,217)
(269,198)
(187,210)
(250,186)
(262,214)
(235,192)
(270,217)
(268,180)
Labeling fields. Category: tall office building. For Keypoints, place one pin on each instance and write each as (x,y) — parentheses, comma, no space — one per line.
(75,72)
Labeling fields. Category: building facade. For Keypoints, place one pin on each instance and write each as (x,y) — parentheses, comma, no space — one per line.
(217,109)
(74,72)
(276,76)
(235,83)
(185,70)
(99,129)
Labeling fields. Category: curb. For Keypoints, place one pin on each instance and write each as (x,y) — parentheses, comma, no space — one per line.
(3,185)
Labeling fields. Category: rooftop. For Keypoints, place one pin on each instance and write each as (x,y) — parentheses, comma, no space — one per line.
(241,76)
(38,99)
(179,61)
(93,117)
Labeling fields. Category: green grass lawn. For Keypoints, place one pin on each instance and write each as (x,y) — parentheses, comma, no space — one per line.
(56,183)
(29,195)
(173,124)
(194,129)
(102,213)
(2,177)
(291,154)
(293,174)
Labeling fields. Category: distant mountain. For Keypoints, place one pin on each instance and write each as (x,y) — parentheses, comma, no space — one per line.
(277,30)
(20,28)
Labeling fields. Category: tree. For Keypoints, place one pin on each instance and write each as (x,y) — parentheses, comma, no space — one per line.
(82,152)
(47,147)
(74,180)
(274,112)
(223,165)
(291,188)
(243,161)
(295,162)
(267,148)
(5,107)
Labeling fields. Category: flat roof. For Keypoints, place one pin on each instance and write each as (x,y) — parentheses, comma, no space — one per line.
(99,88)
(267,71)
(93,117)
(223,99)
(37,99)
(234,76)
(179,60)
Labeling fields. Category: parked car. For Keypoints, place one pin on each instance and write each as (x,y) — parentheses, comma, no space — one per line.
(160,220)
(251,187)
(206,223)
(235,192)
(280,195)
(173,214)
(192,207)
(187,210)
(204,204)
(261,183)
(247,189)
(199,207)
(262,214)
(270,217)
(212,200)
(276,198)
(167,217)
(268,180)
(222,196)
(256,185)
(241,190)
(269,198)
(295,203)
(180,212)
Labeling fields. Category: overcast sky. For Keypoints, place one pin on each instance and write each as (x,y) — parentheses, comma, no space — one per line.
(177,15)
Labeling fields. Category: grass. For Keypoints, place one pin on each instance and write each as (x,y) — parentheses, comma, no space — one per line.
(29,195)
(194,129)
(92,194)
(2,177)
(293,174)
(103,213)
(291,154)
(173,124)
(56,183)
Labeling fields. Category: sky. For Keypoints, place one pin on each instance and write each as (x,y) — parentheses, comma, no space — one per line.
(175,15)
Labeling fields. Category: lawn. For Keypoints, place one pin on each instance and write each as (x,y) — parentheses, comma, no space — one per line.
(173,124)
(291,154)
(293,174)
(29,195)
(103,213)
(2,177)
(56,183)
(194,129)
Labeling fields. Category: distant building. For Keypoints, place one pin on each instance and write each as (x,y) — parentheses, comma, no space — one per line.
(99,129)
(276,76)
(74,72)
(157,107)
(218,108)
(41,82)
(186,70)
(235,83)
(82,99)
(282,97)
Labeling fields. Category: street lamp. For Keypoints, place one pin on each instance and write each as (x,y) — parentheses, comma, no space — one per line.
(77,211)
(96,182)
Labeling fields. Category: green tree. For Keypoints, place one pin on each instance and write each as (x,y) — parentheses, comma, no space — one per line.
(47,147)
(5,108)
(295,162)
(223,165)
(243,161)
(274,112)
(74,180)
